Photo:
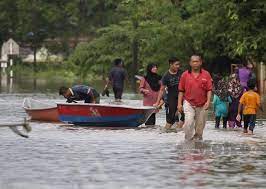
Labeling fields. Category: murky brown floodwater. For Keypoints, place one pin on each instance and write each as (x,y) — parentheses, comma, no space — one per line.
(57,156)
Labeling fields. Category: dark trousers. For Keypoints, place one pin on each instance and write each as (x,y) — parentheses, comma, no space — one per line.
(171,111)
(151,120)
(88,99)
(118,92)
(249,121)
(217,121)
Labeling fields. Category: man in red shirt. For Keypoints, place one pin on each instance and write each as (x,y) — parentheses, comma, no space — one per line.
(195,88)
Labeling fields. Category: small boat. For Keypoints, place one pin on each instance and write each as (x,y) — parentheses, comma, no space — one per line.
(40,111)
(104,115)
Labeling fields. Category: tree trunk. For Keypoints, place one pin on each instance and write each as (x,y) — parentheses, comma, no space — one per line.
(34,59)
(135,53)
(102,21)
(103,73)
(34,68)
(261,77)
(34,82)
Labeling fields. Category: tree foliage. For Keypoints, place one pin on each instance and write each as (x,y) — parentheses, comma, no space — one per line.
(140,31)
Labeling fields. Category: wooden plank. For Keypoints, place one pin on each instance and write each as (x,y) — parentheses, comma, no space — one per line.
(13,126)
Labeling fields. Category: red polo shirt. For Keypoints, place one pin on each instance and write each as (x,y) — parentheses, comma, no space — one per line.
(195,88)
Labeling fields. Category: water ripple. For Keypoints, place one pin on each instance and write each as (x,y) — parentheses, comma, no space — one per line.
(57,156)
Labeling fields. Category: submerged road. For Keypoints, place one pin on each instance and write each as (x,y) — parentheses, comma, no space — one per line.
(59,156)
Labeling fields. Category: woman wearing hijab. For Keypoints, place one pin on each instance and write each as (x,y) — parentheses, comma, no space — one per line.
(220,103)
(150,86)
(235,90)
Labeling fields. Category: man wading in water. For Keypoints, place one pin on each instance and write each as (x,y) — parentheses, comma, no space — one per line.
(116,78)
(195,88)
(170,81)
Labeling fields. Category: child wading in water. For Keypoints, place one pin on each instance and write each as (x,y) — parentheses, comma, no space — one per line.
(251,102)
(220,103)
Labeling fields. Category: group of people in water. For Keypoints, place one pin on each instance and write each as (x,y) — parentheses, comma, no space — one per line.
(186,95)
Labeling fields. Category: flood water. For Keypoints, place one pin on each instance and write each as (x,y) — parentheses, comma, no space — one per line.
(60,156)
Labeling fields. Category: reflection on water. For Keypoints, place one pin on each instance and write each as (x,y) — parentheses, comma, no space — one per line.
(56,156)
(28,84)
(38,85)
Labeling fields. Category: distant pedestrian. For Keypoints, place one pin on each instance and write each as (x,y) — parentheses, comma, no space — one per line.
(150,86)
(221,100)
(116,78)
(250,101)
(235,90)
(80,92)
(195,89)
(251,67)
(244,74)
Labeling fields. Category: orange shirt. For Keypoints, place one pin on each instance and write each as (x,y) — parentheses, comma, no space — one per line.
(251,102)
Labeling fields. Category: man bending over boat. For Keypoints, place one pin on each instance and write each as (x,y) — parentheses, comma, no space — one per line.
(80,92)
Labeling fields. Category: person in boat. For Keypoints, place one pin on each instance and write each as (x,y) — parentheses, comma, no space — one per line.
(116,78)
(250,102)
(170,81)
(195,90)
(150,86)
(80,92)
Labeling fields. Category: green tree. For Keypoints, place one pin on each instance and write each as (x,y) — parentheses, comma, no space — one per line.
(8,19)
(35,23)
(136,38)
(230,28)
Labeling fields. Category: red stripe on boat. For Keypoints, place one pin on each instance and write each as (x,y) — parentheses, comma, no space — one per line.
(96,110)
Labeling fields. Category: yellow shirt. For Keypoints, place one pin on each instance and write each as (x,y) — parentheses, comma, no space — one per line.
(251,102)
